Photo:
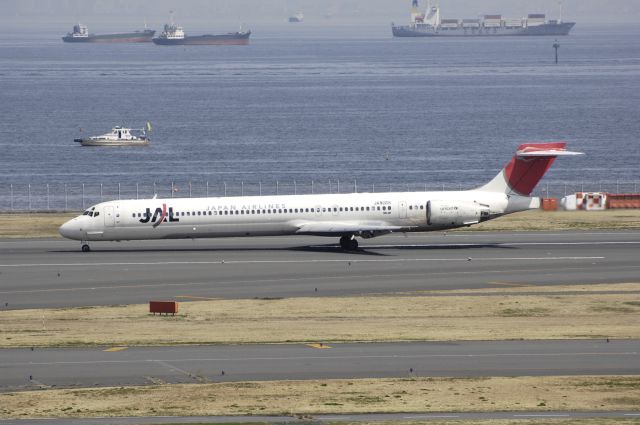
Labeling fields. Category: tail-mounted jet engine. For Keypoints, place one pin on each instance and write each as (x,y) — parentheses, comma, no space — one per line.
(456,213)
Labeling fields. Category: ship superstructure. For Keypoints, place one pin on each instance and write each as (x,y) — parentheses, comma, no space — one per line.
(429,23)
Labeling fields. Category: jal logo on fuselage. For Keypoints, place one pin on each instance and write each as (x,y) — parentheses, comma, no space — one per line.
(159,216)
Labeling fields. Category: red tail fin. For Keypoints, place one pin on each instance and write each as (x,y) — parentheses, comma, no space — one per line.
(521,175)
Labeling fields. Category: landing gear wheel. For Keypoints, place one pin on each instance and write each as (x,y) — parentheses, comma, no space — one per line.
(348,244)
(86,248)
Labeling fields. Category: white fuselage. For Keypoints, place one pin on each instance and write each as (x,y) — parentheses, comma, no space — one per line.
(360,214)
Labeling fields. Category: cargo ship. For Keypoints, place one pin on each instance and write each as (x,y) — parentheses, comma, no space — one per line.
(298,17)
(81,34)
(173,35)
(430,24)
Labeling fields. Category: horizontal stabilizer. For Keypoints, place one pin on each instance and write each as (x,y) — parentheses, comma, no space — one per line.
(529,152)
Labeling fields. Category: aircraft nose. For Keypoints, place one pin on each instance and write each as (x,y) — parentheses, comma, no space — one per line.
(70,229)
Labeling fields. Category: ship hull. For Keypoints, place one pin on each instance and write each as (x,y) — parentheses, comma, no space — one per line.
(202,40)
(132,37)
(428,31)
(106,142)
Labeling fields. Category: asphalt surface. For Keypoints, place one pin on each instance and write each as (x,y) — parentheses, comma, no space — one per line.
(54,273)
(24,369)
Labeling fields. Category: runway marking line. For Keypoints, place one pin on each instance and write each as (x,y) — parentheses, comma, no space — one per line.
(319,345)
(541,416)
(511,284)
(189,297)
(115,349)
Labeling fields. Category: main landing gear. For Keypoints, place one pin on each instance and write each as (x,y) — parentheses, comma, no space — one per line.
(349,243)
(86,247)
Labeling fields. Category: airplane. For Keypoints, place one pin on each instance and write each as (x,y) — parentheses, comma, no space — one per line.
(347,216)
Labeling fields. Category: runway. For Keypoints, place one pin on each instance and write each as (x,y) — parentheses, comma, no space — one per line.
(54,273)
(24,369)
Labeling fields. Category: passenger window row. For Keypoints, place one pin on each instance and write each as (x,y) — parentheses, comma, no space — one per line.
(269,211)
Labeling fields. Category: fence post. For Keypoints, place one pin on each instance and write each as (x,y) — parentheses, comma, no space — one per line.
(330,188)
(260,188)
(582,187)
(155,192)
(11,197)
(29,196)
(565,189)
(48,204)
(443,187)
(277,187)
(207,188)
(295,188)
(172,189)
(66,198)
(312,187)
(617,186)
(355,186)
(242,188)
(338,187)
(118,191)
(225,188)
(189,188)
(373,188)
(137,191)
(82,196)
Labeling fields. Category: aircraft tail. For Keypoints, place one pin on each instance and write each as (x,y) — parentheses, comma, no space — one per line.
(521,175)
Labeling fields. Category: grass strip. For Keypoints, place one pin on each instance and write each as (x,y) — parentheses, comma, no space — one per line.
(333,396)
(531,312)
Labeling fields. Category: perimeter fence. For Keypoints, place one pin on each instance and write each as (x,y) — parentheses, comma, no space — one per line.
(44,197)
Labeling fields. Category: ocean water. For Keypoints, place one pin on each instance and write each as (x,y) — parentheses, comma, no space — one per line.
(304,103)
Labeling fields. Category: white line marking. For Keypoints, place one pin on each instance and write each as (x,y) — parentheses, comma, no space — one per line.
(227,262)
(165,364)
(430,417)
(541,416)
(296,279)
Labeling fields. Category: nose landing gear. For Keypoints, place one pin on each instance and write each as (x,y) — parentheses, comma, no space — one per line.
(349,243)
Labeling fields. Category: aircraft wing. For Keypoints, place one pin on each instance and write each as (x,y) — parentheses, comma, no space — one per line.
(336,228)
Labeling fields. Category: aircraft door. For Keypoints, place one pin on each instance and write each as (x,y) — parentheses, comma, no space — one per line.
(402,209)
(109,217)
